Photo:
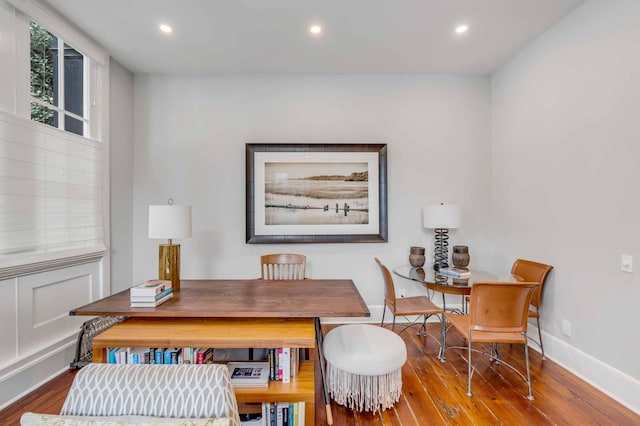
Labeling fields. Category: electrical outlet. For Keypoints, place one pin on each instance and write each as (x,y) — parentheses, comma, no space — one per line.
(626,263)
(566,327)
(403,292)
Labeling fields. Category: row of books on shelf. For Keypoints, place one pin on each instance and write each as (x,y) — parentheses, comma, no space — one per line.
(281,363)
(150,293)
(156,356)
(161,356)
(280,414)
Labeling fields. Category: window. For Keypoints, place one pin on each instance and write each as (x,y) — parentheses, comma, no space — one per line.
(54,202)
(57,82)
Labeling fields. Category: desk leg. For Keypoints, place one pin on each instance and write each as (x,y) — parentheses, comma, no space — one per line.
(323,373)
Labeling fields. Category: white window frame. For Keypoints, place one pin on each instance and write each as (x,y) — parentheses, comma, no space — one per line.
(61,112)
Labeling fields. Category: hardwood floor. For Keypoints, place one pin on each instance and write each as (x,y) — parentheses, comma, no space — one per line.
(435,393)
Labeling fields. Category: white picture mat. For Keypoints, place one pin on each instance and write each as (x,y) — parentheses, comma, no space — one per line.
(371,158)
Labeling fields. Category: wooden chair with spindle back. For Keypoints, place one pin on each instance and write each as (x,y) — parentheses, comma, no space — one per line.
(282,266)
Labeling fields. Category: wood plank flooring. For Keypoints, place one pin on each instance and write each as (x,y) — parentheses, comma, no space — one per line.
(435,393)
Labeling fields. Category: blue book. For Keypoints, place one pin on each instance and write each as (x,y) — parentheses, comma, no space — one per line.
(170,356)
(158,356)
(291,412)
(112,356)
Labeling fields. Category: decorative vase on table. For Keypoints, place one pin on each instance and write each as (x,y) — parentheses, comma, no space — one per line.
(416,256)
(460,257)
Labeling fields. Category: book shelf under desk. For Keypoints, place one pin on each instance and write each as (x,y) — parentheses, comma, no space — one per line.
(225,333)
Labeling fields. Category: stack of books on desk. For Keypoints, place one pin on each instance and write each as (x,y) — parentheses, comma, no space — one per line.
(150,294)
(455,272)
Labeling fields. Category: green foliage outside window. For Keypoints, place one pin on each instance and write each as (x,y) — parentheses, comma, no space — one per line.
(42,73)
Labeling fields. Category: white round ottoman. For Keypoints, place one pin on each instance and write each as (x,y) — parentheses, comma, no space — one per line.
(364,366)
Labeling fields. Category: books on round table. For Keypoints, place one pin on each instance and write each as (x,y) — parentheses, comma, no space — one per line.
(455,272)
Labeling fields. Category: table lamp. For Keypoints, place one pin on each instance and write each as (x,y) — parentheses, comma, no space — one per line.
(169,222)
(441,218)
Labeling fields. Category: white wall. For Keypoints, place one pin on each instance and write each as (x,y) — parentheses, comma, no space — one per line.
(121,159)
(190,134)
(566,146)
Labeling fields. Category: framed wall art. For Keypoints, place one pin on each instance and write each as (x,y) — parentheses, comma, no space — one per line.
(316,193)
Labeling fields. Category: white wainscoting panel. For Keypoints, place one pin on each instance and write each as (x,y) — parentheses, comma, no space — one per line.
(44,302)
(8,321)
(38,335)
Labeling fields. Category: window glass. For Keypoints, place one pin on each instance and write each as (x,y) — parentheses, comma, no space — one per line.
(73,125)
(73,80)
(42,74)
(57,82)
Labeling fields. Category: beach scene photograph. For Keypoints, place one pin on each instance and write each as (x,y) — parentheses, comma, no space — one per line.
(320,193)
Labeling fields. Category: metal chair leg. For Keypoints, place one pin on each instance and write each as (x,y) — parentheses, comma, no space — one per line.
(443,337)
(526,357)
(423,329)
(469,372)
(384,310)
(540,337)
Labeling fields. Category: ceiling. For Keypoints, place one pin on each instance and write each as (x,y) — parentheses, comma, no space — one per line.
(272,36)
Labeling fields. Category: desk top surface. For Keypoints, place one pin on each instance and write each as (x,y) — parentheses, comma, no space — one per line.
(308,298)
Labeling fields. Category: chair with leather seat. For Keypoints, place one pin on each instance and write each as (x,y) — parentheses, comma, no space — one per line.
(408,306)
(498,313)
(282,266)
(528,270)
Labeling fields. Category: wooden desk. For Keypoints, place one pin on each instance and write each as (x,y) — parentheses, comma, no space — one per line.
(244,299)
(215,313)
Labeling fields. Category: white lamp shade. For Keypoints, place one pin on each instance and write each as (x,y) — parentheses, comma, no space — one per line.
(169,221)
(442,216)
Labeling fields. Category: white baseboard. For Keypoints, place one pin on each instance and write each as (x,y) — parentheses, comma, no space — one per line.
(28,374)
(616,384)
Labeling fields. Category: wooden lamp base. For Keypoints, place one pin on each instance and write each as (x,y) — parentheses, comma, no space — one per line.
(169,264)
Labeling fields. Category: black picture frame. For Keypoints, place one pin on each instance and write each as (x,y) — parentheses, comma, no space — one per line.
(260,156)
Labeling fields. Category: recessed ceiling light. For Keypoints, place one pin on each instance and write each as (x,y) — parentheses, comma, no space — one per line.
(315,29)
(461,29)
(165,28)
